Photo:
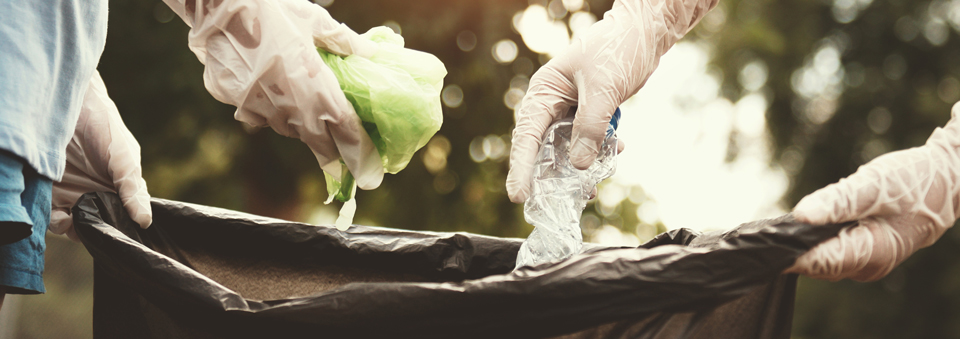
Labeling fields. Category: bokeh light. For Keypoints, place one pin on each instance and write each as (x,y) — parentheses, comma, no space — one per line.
(512,97)
(435,155)
(466,41)
(573,5)
(452,96)
(504,51)
(540,32)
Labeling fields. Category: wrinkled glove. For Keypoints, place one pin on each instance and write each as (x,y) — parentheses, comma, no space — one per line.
(904,201)
(261,56)
(102,156)
(600,70)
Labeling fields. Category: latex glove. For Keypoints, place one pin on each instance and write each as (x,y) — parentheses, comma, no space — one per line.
(102,156)
(601,69)
(261,56)
(904,201)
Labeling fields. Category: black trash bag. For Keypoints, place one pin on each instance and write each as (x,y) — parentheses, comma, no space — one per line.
(203,272)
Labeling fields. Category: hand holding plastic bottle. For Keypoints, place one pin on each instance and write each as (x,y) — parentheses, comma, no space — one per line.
(904,201)
(102,156)
(601,69)
(260,56)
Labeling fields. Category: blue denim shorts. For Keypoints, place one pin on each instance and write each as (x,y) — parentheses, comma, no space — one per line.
(24,199)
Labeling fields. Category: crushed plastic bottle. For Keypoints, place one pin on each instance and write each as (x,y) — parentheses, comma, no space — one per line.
(559,193)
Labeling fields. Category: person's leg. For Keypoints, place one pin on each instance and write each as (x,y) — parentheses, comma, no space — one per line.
(21,263)
(15,224)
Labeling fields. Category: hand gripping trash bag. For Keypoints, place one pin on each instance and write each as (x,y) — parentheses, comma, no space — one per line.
(396,93)
(203,272)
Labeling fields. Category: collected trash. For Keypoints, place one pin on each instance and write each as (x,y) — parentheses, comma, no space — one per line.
(559,192)
(204,272)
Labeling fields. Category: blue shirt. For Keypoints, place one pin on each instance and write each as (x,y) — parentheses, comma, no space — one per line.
(49,49)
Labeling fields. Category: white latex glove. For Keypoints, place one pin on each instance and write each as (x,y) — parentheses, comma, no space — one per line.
(261,56)
(904,201)
(601,69)
(102,156)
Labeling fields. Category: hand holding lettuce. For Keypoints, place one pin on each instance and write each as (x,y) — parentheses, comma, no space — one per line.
(396,93)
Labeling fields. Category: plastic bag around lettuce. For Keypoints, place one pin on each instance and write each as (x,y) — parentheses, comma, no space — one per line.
(396,93)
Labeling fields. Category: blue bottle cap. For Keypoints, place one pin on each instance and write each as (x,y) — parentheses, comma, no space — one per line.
(615,120)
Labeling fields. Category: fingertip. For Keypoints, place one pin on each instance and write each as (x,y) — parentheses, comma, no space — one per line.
(812,210)
(518,197)
(582,154)
(60,221)
(144,220)
(517,188)
(516,193)
(368,171)
(370,179)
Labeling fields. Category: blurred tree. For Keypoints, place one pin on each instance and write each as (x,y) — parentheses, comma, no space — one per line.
(850,80)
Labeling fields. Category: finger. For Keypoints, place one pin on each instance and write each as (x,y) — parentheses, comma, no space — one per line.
(60,220)
(136,200)
(227,73)
(594,110)
(865,252)
(352,141)
(888,185)
(548,98)
(620,146)
(122,159)
(126,171)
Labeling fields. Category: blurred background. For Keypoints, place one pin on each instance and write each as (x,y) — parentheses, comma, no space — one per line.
(761,104)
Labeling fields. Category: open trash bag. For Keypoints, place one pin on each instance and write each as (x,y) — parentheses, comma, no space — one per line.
(203,272)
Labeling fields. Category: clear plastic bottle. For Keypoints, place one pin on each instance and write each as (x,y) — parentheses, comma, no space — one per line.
(559,193)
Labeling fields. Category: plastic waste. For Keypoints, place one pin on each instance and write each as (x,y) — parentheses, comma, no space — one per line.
(559,192)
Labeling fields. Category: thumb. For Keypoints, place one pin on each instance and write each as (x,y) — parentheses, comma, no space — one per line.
(589,130)
(122,160)
(548,98)
(597,101)
(136,200)
(60,220)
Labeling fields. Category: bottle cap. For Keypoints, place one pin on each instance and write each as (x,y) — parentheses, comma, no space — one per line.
(615,120)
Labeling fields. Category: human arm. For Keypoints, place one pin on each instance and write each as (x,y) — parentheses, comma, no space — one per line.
(904,201)
(260,56)
(600,70)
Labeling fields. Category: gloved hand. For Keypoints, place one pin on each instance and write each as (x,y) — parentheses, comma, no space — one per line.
(102,156)
(261,56)
(601,69)
(904,201)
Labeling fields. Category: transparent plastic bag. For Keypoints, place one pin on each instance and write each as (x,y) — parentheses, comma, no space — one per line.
(396,93)
(559,192)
